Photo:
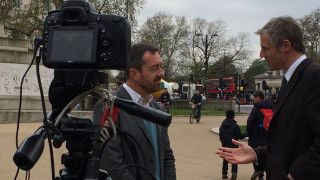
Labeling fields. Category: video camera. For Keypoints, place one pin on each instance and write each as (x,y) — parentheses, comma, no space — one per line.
(77,43)
(77,37)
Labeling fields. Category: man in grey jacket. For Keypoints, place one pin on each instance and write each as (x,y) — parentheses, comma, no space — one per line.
(142,149)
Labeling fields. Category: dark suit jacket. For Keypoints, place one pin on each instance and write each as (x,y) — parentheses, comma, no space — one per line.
(120,152)
(293,144)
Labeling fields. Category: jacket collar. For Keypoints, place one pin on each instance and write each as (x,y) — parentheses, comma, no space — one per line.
(137,97)
(291,84)
(123,93)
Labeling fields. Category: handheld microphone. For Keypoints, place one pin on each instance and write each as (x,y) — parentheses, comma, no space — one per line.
(145,112)
(30,150)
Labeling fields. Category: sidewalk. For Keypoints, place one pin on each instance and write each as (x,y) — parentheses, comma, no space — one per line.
(215,130)
(194,147)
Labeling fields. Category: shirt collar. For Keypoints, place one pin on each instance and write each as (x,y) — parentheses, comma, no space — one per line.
(293,67)
(136,97)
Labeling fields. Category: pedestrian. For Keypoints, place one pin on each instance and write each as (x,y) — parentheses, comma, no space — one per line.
(142,151)
(274,98)
(229,130)
(256,132)
(237,98)
(293,141)
(247,98)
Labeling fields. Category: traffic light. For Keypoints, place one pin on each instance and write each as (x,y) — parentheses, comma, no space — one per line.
(191,78)
(264,85)
(221,83)
(237,81)
(243,83)
(199,81)
(235,76)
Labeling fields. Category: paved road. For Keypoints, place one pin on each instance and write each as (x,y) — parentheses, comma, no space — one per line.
(194,147)
(244,108)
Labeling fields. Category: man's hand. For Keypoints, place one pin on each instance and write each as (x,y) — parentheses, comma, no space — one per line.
(242,155)
(290,177)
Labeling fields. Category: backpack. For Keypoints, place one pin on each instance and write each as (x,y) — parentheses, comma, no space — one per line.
(268,113)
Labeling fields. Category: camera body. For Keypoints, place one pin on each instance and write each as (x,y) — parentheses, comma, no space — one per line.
(76,37)
(76,42)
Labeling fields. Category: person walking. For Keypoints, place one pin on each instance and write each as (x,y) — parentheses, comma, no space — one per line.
(256,132)
(142,150)
(293,140)
(229,130)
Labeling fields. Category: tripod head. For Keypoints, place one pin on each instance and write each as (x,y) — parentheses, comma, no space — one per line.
(83,136)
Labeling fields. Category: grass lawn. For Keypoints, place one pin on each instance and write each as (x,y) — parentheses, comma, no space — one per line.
(206,112)
(203,112)
(243,128)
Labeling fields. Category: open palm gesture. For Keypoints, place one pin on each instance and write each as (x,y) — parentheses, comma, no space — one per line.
(242,155)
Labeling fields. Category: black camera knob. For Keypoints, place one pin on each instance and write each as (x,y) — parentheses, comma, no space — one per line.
(105,57)
(105,39)
(105,42)
(57,141)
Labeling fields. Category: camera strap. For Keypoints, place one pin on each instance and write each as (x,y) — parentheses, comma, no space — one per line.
(106,115)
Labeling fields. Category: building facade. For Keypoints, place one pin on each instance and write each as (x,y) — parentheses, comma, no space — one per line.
(273,81)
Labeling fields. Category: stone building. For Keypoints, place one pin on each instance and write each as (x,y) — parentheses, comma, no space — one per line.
(1,30)
(15,57)
(273,80)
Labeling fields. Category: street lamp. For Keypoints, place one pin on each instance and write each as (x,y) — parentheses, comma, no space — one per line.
(224,62)
(206,45)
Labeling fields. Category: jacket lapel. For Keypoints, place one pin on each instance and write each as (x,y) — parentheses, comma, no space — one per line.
(291,84)
(123,93)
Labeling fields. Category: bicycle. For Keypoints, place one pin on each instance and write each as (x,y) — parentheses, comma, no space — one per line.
(165,107)
(193,114)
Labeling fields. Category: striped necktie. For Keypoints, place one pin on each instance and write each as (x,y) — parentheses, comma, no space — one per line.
(283,87)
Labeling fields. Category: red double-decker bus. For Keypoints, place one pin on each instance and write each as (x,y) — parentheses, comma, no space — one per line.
(227,91)
(212,89)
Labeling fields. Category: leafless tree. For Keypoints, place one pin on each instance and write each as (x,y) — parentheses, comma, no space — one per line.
(26,20)
(310,25)
(169,34)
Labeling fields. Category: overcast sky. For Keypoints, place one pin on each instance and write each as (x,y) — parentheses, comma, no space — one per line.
(239,15)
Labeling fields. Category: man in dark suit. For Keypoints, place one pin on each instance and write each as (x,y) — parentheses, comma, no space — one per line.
(142,149)
(293,141)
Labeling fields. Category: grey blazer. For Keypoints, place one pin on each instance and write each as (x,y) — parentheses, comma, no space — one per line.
(130,155)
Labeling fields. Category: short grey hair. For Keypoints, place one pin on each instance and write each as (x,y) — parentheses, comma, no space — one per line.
(281,28)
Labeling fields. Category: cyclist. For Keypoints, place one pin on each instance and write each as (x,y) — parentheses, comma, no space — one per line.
(197,100)
(165,100)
